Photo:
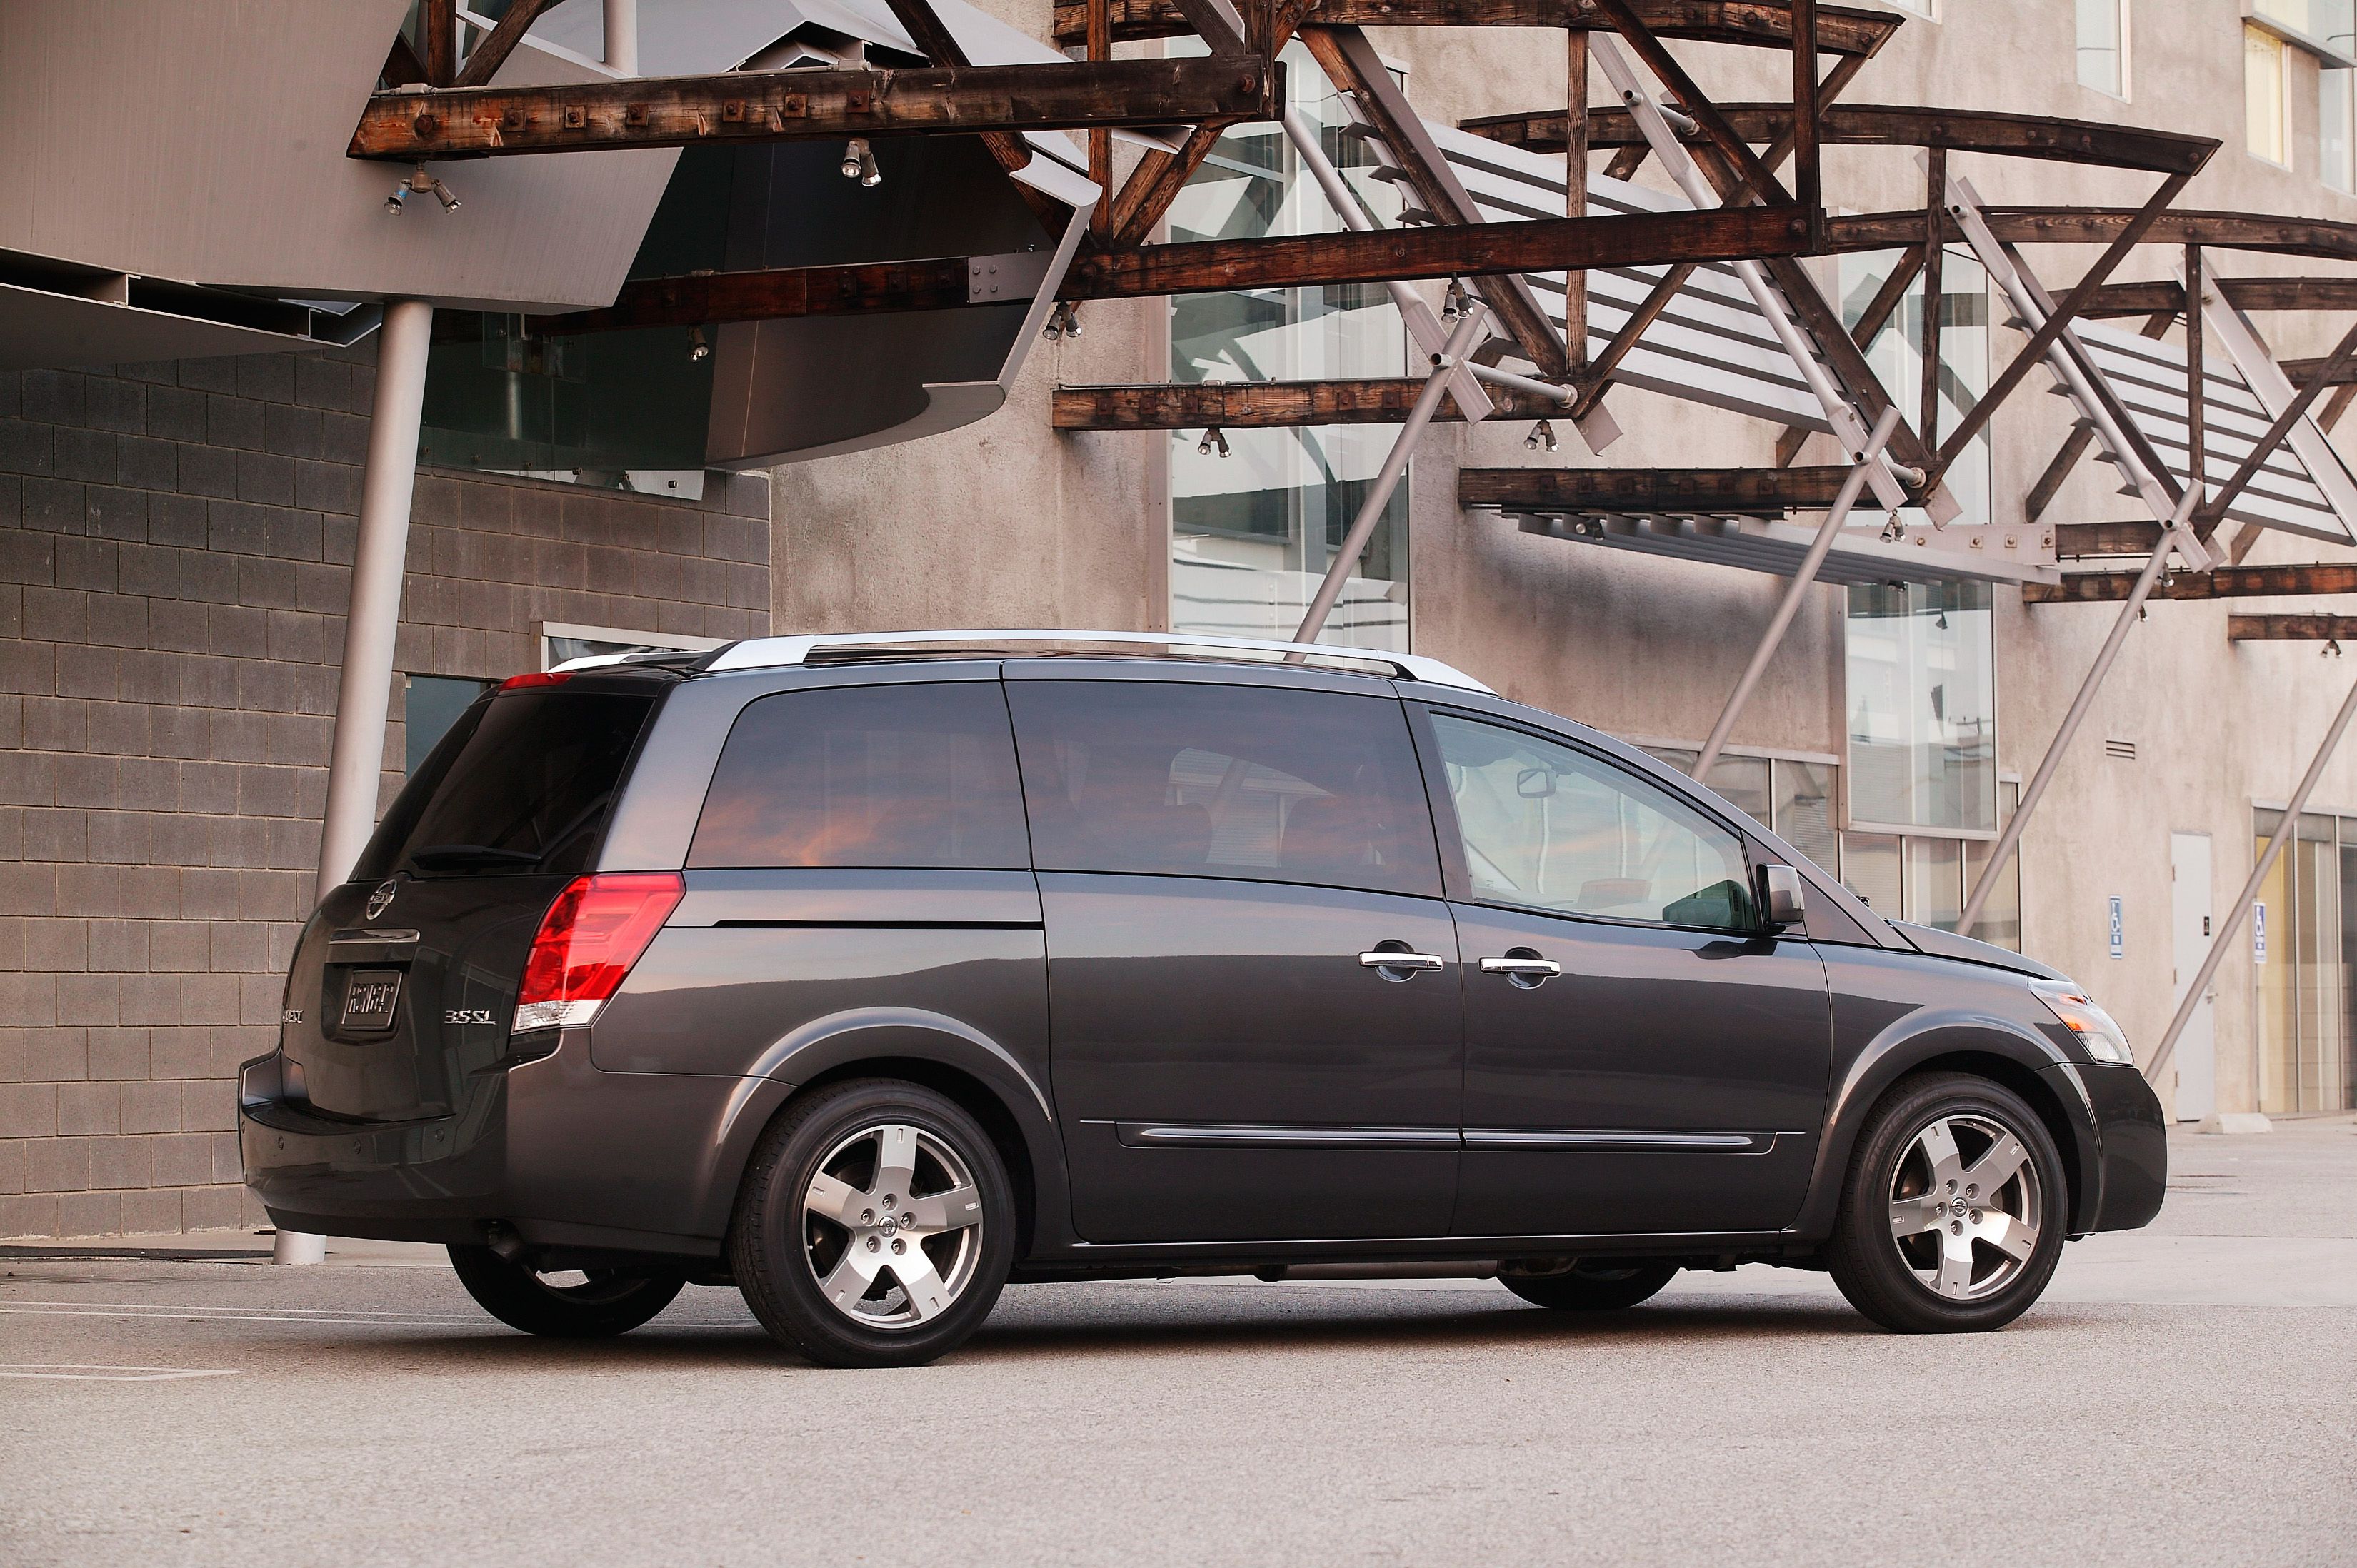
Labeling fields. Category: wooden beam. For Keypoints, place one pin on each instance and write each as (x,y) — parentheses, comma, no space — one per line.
(1748,492)
(2291,628)
(1574,188)
(1010,151)
(682,110)
(2197,386)
(1254,405)
(1878,311)
(2225,583)
(2100,225)
(437,26)
(1625,163)
(1155,183)
(772,294)
(1894,126)
(1100,47)
(2074,541)
(1765,23)
(492,51)
(1353,65)
(1808,187)
(1597,375)
(1471,249)
(1935,254)
(401,66)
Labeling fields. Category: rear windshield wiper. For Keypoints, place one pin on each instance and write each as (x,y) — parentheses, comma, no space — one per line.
(454,856)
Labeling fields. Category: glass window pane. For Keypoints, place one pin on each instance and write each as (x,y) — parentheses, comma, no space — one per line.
(2316,913)
(1921,668)
(430,705)
(1870,868)
(1213,781)
(2101,58)
(1743,782)
(1896,354)
(1935,882)
(1256,515)
(1803,811)
(2000,920)
(528,774)
(2263,94)
(2335,105)
(867,775)
(2278,1043)
(1550,827)
(2342,1091)
(1673,756)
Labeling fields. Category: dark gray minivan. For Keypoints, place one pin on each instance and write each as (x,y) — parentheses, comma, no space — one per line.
(867,974)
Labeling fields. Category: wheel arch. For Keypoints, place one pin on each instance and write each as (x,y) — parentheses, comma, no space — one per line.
(976,1072)
(1993,1050)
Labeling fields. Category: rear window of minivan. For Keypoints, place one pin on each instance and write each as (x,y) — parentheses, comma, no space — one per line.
(523,784)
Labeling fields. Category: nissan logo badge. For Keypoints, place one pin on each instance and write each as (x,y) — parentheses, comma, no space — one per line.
(381,899)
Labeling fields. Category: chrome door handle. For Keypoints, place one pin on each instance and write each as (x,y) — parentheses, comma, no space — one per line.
(1418,961)
(1541,966)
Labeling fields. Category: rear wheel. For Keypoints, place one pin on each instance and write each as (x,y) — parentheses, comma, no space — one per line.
(593,1304)
(1953,1211)
(875,1225)
(1592,1286)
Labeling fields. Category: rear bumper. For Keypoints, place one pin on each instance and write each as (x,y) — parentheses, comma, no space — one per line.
(564,1156)
(2132,1148)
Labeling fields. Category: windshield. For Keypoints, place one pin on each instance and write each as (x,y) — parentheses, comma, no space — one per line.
(521,783)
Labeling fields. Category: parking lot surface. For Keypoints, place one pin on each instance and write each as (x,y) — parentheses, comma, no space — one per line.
(2185,1395)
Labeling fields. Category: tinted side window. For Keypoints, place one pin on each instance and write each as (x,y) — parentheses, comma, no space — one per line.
(1552,828)
(1212,780)
(523,782)
(867,775)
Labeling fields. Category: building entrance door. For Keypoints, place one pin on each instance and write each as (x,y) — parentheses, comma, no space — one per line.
(2189,927)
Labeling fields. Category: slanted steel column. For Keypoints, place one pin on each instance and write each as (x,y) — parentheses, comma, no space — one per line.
(386,486)
(2241,904)
(1819,547)
(1379,494)
(2172,536)
(622,36)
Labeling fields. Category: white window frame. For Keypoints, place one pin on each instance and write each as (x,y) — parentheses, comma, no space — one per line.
(2121,11)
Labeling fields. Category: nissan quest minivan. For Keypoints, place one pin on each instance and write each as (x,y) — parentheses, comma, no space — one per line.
(870,973)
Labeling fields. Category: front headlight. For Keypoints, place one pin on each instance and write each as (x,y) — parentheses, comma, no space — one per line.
(2097,1030)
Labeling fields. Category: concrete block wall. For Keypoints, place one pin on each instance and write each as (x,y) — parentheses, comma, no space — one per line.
(175,541)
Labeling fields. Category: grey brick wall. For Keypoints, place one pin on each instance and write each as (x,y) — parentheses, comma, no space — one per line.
(175,542)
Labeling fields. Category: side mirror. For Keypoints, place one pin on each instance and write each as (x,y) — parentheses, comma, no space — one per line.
(1782,901)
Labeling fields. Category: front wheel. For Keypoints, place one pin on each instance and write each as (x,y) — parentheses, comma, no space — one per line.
(598,1304)
(1953,1212)
(875,1225)
(1592,1286)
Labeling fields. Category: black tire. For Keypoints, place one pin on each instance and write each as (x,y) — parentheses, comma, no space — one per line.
(605,1304)
(1599,1286)
(1986,1263)
(780,1247)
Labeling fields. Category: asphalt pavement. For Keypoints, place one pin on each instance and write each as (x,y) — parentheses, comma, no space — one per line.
(2185,1395)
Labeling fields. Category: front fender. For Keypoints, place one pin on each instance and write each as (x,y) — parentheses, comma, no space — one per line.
(1991,1040)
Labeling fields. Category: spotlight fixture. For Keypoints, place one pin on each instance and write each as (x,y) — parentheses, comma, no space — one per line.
(1452,304)
(420,183)
(2332,649)
(859,162)
(1211,437)
(1893,532)
(1541,432)
(698,351)
(1063,321)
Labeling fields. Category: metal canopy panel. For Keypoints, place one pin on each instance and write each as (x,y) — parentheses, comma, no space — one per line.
(216,131)
(1776,546)
(1712,346)
(40,328)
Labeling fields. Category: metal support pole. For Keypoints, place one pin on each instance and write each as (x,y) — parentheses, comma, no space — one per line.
(357,758)
(2011,839)
(1819,547)
(622,36)
(1379,494)
(1422,324)
(2241,904)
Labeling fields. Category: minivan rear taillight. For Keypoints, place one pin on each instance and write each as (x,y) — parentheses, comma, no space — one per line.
(587,943)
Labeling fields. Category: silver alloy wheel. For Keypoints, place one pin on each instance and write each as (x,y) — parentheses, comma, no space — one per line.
(892,1227)
(1965,1207)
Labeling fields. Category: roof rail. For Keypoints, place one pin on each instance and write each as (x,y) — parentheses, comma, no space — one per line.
(769,652)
